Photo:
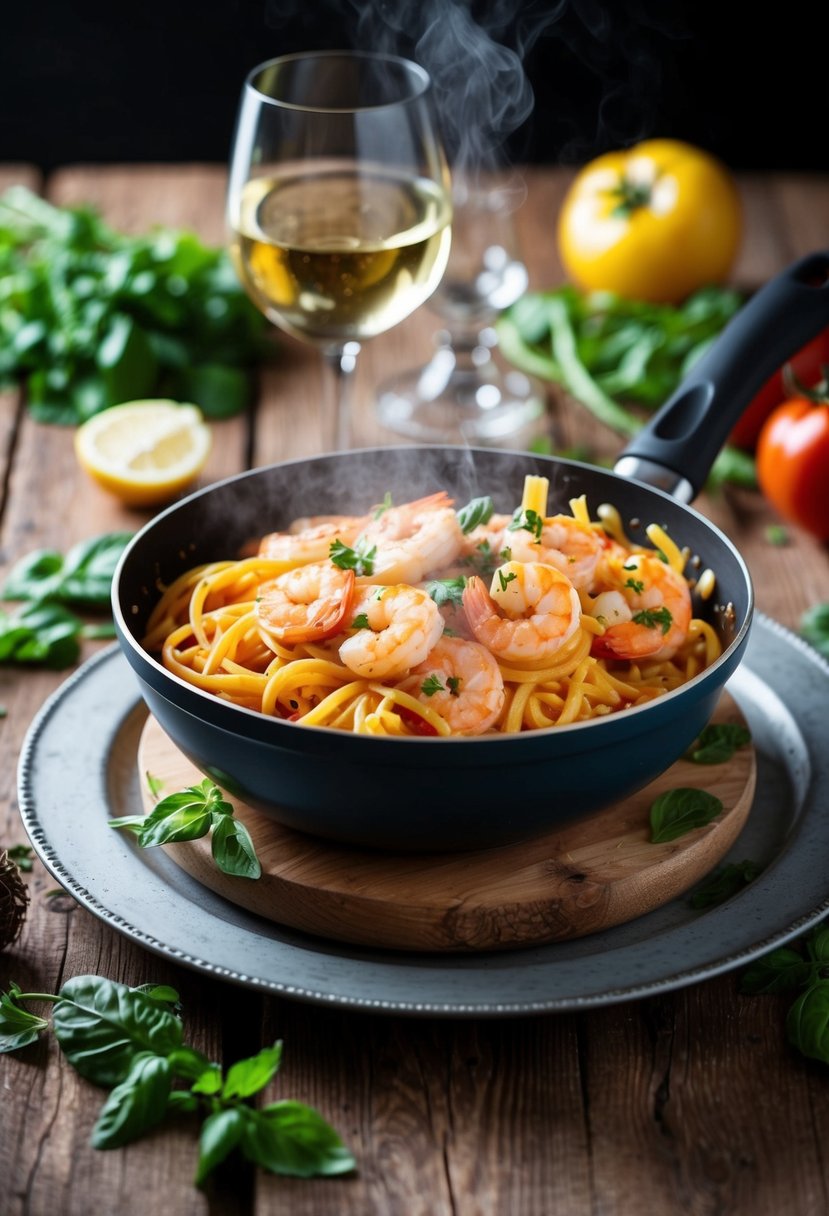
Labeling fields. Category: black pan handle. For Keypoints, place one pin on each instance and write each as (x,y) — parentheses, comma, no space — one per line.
(675,450)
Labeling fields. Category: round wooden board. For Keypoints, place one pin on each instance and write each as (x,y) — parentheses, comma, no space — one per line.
(582,878)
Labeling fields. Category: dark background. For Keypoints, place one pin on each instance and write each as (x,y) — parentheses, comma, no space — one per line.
(106,81)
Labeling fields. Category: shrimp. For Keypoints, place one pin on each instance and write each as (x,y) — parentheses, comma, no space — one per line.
(310,540)
(566,544)
(308,604)
(531,610)
(487,539)
(413,540)
(462,682)
(402,624)
(647,610)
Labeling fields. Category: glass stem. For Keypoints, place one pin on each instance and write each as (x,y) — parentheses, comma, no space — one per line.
(342,360)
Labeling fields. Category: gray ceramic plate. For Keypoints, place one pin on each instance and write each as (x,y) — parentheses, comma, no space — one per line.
(78,766)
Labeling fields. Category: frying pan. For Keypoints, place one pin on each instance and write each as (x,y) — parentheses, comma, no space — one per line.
(461,793)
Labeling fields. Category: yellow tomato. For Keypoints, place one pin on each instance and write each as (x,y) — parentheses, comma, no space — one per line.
(655,222)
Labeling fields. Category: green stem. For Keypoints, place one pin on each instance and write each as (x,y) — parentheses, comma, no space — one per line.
(577,379)
(36,996)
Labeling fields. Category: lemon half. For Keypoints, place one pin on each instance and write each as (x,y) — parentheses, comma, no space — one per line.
(144,452)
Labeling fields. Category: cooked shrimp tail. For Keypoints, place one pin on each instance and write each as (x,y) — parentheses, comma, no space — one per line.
(531,610)
(308,604)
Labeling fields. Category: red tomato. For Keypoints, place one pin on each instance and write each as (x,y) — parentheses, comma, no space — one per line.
(807,365)
(793,463)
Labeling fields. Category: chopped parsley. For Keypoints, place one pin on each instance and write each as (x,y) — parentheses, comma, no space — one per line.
(360,559)
(527,521)
(446,590)
(636,585)
(453,683)
(431,685)
(505,579)
(360,621)
(653,617)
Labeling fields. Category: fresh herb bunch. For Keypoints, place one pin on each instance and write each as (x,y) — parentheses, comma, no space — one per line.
(611,352)
(44,631)
(90,317)
(131,1041)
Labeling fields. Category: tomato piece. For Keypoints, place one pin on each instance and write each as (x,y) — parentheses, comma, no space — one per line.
(793,463)
(655,222)
(807,366)
(415,723)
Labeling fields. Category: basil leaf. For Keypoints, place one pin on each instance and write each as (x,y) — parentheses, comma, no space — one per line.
(476,512)
(723,883)
(83,577)
(814,627)
(718,742)
(181,1101)
(446,591)
(817,945)
(247,1077)
(188,1062)
(136,1105)
(807,1023)
(291,1138)
(185,815)
(209,1081)
(220,1134)
(40,633)
(779,971)
(233,849)
(18,1027)
(681,810)
(160,992)
(102,1025)
(27,578)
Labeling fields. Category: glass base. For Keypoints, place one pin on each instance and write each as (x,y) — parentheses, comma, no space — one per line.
(474,402)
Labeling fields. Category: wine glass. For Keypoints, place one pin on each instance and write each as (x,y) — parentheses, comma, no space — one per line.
(462,394)
(339,201)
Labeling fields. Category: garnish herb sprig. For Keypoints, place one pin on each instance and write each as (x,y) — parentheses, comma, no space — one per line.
(360,559)
(131,1041)
(477,511)
(190,814)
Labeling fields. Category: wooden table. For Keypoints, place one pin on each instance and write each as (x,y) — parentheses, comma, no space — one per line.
(686,1102)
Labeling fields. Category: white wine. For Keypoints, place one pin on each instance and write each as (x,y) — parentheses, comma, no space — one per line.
(343,253)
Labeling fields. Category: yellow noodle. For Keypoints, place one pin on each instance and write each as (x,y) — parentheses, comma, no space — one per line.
(535,494)
(676,558)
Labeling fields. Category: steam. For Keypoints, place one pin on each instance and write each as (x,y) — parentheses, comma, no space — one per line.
(475,60)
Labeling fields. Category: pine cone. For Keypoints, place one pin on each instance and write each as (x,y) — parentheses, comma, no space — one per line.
(14,901)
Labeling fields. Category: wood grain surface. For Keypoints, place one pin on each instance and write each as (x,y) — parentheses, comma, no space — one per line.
(687,1102)
(580,879)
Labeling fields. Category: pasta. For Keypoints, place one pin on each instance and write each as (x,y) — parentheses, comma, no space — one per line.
(422,620)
